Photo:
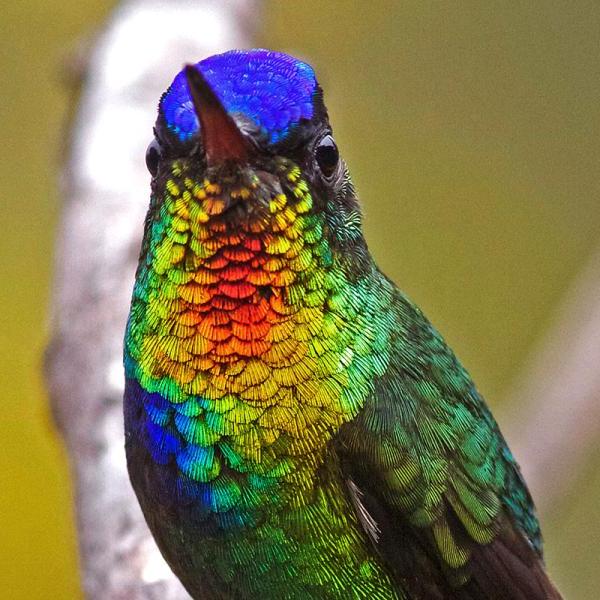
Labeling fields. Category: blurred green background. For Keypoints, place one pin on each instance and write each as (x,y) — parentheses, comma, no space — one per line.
(472,130)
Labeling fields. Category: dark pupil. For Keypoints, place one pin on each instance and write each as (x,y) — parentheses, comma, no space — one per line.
(153,157)
(327,155)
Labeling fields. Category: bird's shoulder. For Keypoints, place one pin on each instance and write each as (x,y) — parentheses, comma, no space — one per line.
(432,479)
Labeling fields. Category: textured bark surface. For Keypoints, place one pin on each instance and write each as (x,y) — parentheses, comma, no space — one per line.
(105,187)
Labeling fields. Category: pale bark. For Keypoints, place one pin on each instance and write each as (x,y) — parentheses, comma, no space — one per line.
(105,187)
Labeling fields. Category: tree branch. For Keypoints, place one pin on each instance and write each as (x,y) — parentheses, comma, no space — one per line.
(106,187)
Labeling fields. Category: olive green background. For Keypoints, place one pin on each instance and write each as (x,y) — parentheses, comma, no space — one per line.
(472,131)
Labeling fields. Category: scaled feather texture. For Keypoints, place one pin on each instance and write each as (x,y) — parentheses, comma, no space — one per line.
(295,427)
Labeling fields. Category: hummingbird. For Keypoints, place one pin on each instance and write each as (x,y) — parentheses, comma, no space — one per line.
(295,427)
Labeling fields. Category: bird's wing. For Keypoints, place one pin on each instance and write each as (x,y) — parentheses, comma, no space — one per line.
(432,480)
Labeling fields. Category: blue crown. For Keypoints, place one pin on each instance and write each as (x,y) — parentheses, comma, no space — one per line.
(272,89)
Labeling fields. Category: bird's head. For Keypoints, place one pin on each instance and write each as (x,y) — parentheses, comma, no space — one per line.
(243,140)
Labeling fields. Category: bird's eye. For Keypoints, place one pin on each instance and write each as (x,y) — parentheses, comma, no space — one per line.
(153,154)
(327,155)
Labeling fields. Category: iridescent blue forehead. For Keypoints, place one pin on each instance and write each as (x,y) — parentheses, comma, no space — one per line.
(272,89)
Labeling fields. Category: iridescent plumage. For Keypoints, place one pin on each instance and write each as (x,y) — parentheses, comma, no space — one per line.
(295,426)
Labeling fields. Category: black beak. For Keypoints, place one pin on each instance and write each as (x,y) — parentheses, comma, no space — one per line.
(221,138)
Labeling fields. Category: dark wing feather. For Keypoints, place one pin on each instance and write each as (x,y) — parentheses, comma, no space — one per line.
(433,482)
